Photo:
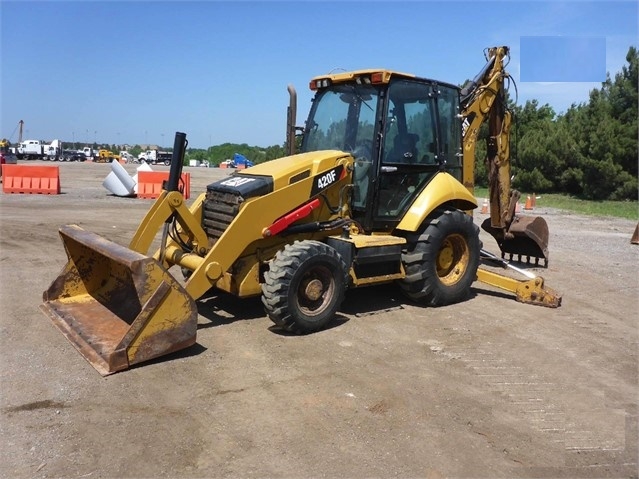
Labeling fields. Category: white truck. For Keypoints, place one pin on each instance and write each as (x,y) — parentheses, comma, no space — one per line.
(38,150)
(53,151)
(30,150)
(155,157)
(89,152)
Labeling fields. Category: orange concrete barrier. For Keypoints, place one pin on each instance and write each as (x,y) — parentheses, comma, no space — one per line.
(30,179)
(150,184)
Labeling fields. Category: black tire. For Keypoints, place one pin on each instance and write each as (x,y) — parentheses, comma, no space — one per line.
(304,286)
(441,263)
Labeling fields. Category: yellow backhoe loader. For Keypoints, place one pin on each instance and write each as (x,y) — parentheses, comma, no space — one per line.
(380,191)
(106,156)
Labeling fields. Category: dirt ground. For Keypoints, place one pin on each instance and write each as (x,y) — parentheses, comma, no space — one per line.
(489,388)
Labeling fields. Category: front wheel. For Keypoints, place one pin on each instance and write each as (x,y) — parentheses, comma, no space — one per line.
(441,263)
(304,286)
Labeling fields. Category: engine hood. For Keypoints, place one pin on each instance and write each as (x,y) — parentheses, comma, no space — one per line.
(327,166)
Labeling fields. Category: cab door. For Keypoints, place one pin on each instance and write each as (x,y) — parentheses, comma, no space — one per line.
(409,157)
(421,137)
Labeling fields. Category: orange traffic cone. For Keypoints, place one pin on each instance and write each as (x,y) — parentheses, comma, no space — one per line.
(528,205)
(534,200)
(484,207)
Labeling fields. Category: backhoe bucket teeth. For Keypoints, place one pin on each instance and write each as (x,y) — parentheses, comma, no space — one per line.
(527,237)
(118,307)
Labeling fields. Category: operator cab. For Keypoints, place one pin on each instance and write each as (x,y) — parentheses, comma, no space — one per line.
(401,130)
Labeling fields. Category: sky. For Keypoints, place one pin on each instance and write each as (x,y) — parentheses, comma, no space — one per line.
(136,72)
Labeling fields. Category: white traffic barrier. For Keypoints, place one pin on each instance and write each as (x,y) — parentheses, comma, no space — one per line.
(119,182)
(143,167)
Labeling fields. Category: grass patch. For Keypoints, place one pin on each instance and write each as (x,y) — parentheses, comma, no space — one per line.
(619,209)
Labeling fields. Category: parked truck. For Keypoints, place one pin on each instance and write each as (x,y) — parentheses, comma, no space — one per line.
(241,161)
(53,151)
(39,150)
(89,152)
(155,156)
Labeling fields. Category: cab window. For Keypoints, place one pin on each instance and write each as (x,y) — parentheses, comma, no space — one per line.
(410,135)
(450,129)
(409,159)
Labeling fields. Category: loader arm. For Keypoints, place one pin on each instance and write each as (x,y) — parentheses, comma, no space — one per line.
(170,205)
(170,208)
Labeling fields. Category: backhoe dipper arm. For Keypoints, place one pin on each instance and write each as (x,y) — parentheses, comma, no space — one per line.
(484,98)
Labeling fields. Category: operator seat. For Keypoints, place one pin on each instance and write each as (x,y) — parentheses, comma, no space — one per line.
(404,149)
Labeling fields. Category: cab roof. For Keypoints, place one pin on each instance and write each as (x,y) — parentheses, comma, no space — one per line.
(375,76)
(352,75)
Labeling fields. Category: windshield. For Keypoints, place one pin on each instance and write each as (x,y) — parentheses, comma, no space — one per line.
(342,118)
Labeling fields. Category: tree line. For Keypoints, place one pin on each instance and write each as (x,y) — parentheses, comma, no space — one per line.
(217,154)
(590,151)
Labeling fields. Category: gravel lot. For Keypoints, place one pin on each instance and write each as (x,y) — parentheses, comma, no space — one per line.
(487,388)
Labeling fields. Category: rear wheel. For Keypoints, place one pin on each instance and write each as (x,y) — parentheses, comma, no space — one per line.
(304,286)
(441,263)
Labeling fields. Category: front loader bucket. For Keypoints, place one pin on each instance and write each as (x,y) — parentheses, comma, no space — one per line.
(118,307)
(526,237)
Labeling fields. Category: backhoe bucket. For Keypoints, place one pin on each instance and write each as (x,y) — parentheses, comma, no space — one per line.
(526,237)
(118,307)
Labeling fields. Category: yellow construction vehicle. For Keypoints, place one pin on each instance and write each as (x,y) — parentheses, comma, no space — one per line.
(381,191)
(105,156)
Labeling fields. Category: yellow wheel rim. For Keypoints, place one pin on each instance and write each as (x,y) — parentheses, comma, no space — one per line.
(452,259)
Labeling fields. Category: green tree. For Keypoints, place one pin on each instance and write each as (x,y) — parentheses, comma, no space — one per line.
(590,150)
(605,130)
(136,150)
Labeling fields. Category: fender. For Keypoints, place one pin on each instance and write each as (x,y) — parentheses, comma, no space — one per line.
(443,188)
